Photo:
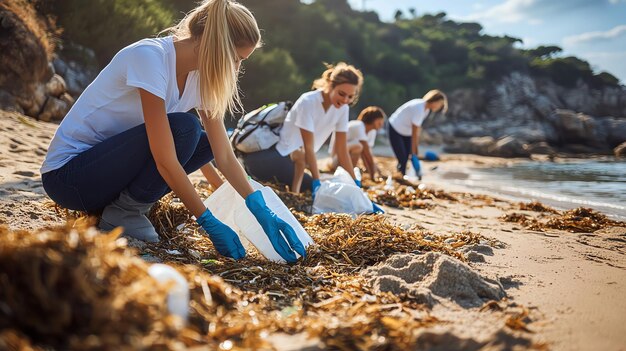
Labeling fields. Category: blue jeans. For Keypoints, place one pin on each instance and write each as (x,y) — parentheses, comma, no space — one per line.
(401,146)
(96,177)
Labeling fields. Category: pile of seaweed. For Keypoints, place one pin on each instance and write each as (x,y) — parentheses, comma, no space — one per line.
(404,194)
(73,288)
(344,245)
(536,206)
(578,220)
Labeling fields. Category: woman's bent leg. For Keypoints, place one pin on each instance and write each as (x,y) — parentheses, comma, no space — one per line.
(97,176)
(399,147)
(269,165)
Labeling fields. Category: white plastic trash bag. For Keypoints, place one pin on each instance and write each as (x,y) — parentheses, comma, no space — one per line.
(341,195)
(230,208)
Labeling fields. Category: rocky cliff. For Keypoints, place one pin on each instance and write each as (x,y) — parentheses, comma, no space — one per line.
(34,78)
(521,114)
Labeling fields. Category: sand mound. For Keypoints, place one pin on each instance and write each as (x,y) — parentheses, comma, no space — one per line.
(431,277)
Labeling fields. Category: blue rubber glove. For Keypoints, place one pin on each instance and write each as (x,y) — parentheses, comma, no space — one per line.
(273,227)
(358,183)
(416,165)
(431,156)
(315,185)
(376,208)
(224,239)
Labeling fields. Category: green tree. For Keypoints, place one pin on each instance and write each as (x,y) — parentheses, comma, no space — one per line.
(108,25)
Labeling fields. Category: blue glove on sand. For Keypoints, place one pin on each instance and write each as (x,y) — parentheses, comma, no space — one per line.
(224,239)
(315,185)
(274,226)
(416,165)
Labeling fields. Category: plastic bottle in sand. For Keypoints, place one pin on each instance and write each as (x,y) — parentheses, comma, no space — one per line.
(178,295)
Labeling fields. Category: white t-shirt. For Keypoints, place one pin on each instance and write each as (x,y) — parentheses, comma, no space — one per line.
(308,114)
(111,104)
(412,113)
(356,134)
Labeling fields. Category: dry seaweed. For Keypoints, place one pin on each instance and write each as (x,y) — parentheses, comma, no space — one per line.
(76,289)
(582,220)
(519,321)
(343,246)
(62,286)
(237,304)
(578,220)
(11,339)
(536,206)
(299,202)
(73,288)
(405,194)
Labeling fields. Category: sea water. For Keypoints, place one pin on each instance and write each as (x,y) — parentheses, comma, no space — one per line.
(599,184)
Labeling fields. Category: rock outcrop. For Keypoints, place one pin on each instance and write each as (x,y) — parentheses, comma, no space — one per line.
(620,150)
(28,82)
(535,112)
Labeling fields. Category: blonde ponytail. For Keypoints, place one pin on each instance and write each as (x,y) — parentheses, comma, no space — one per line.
(220,27)
(341,73)
(437,95)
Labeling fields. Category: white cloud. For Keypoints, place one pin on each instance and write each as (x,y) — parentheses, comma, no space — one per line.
(592,37)
(511,11)
(614,2)
(529,11)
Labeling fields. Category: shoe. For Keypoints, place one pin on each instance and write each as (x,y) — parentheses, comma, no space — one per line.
(130,214)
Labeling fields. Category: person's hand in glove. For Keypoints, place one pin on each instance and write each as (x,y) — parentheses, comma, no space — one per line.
(416,165)
(224,239)
(358,183)
(274,226)
(315,185)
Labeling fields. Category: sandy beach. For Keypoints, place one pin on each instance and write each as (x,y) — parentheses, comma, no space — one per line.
(553,289)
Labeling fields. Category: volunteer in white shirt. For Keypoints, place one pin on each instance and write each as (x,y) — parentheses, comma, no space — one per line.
(311,120)
(361,139)
(405,126)
(128,139)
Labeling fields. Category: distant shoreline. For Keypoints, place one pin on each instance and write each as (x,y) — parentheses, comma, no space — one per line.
(456,174)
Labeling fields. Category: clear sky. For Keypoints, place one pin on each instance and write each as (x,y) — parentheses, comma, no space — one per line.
(594,30)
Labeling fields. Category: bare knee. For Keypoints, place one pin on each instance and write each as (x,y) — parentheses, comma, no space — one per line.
(297,157)
(356,150)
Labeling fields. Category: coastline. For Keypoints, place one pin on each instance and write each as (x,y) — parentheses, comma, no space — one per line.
(470,173)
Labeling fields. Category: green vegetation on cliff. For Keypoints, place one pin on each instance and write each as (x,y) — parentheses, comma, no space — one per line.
(401,60)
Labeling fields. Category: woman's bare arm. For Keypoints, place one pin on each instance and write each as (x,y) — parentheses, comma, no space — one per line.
(163,151)
(368,159)
(415,140)
(225,158)
(343,156)
(211,175)
(309,154)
